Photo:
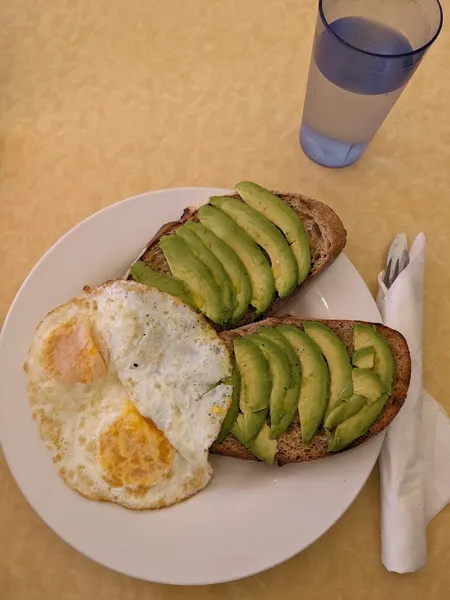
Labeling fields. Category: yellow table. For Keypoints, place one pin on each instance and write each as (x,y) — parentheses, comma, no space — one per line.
(103,100)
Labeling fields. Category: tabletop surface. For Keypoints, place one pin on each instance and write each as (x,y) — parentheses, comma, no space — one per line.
(103,100)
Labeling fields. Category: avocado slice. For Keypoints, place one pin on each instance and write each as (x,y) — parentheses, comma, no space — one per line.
(284,217)
(366,383)
(256,385)
(292,397)
(232,264)
(166,283)
(366,335)
(341,383)
(344,410)
(260,229)
(364,358)
(233,411)
(249,424)
(315,380)
(254,370)
(263,447)
(280,373)
(367,389)
(195,275)
(199,250)
(252,257)
(357,425)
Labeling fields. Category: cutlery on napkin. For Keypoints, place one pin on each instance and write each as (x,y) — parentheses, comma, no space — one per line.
(415,457)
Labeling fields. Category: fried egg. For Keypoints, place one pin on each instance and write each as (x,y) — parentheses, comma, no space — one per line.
(129,387)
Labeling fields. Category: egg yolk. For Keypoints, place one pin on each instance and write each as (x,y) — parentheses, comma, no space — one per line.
(133,451)
(71,356)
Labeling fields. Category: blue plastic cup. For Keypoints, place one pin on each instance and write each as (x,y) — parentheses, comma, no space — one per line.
(364,54)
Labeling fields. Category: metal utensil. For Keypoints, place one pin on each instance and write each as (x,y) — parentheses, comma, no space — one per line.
(397,259)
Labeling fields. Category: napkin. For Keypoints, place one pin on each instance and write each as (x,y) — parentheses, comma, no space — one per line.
(415,457)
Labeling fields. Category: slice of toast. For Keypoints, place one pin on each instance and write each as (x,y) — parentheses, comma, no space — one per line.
(325,231)
(290,448)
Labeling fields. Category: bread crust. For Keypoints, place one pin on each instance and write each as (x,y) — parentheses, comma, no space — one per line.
(291,449)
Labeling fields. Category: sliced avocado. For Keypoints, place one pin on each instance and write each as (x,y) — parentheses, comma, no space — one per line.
(166,283)
(256,385)
(364,358)
(260,229)
(231,263)
(249,424)
(275,336)
(195,275)
(233,411)
(366,335)
(254,370)
(280,374)
(344,410)
(262,446)
(357,425)
(336,355)
(367,384)
(252,257)
(292,397)
(238,430)
(367,389)
(315,380)
(199,250)
(284,217)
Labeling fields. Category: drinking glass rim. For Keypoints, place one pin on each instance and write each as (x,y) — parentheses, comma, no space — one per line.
(401,55)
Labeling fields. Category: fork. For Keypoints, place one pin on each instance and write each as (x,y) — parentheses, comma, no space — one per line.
(397,259)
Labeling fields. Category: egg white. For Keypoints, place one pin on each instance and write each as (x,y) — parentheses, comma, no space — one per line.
(158,354)
(168,359)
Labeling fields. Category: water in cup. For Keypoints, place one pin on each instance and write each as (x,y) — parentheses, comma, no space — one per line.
(350,92)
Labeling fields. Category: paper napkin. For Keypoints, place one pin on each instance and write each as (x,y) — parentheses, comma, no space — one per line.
(415,458)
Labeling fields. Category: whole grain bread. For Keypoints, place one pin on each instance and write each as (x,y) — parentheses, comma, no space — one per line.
(290,448)
(325,231)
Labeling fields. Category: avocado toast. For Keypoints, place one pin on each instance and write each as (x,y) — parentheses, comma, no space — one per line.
(265,246)
(302,389)
(385,387)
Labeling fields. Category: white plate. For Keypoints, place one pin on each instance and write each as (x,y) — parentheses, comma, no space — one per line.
(251,517)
